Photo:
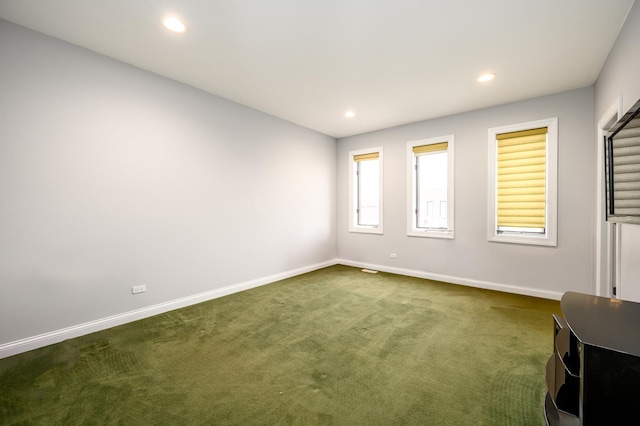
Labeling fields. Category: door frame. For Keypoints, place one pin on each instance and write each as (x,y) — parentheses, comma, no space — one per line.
(607,234)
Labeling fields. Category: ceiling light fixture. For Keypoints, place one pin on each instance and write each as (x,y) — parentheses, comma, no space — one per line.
(486,77)
(174,24)
(349,114)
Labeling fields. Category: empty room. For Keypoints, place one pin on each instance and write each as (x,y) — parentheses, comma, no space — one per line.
(338,212)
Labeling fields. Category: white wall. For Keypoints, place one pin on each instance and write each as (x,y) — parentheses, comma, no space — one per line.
(111,176)
(620,77)
(470,258)
(621,71)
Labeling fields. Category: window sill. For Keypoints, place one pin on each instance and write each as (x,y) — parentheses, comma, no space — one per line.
(363,230)
(534,240)
(445,233)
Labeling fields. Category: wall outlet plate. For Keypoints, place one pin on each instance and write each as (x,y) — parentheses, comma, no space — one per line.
(138,289)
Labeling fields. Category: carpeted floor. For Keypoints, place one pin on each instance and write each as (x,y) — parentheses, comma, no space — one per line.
(332,347)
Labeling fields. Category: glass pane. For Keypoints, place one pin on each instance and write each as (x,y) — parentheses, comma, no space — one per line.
(369,193)
(431,176)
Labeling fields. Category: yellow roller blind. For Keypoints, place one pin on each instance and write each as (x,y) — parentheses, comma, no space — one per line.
(368,156)
(521,179)
(423,149)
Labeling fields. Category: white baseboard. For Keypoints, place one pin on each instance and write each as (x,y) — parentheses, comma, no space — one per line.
(527,291)
(45,339)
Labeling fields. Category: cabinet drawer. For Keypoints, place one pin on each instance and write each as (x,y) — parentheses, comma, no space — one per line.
(563,387)
(566,345)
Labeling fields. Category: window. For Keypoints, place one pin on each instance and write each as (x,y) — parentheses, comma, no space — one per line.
(430,217)
(365,191)
(430,187)
(523,183)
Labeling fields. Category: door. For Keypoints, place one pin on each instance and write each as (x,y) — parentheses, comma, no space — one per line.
(629,262)
(618,245)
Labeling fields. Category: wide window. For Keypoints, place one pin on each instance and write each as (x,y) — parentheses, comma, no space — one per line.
(365,190)
(430,187)
(523,183)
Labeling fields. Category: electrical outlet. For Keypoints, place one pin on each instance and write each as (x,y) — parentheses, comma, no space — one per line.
(138,289)
(393,256)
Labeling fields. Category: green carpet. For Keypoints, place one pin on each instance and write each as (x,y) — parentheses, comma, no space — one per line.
(332,347)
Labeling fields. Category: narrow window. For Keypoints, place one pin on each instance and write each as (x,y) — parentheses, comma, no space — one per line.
(429,219)
(522,201)
(430,185)
(443,209)
(365,212)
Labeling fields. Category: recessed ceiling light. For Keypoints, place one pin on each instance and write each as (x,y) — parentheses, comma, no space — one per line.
(349,114)
(174,24)
(486,77)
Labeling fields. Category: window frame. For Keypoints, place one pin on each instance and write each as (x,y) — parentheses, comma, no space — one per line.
(412,229)
(550,236)
(353,225)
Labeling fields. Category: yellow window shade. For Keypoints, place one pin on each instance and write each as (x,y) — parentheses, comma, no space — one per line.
(368,156)
(521,178)
(522,133)
(423,149)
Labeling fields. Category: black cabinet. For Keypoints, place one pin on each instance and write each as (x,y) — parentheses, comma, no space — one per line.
(593,376)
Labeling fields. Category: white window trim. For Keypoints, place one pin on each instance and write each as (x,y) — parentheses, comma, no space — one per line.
(550,238)
(353,227)
(412,230)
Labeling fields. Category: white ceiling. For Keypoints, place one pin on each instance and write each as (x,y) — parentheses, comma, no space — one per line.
(308,61)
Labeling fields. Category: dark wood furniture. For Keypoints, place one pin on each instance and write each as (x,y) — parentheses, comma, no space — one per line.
(593,376)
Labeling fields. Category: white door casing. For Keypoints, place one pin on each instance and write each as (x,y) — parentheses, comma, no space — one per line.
(606,241)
